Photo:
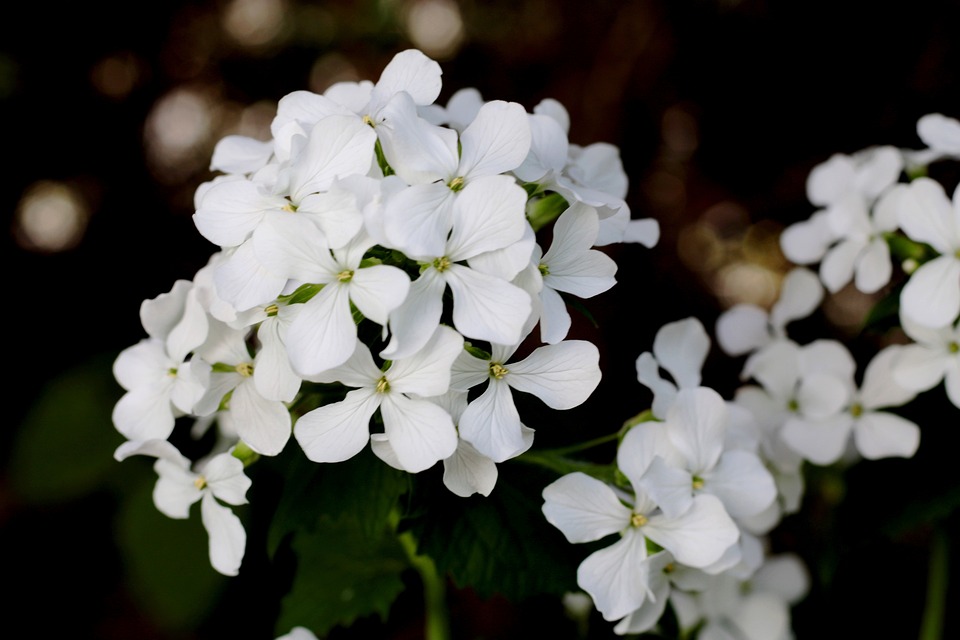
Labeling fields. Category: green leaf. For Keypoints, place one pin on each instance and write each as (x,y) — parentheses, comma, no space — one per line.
(342,574)
(363,487)
(167,561)
(501,544)
(65,445)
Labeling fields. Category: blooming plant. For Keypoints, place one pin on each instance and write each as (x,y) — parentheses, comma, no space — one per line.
(393,284)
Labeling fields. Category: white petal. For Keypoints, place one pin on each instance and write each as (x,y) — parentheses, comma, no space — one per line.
(699,537)
(496,141)
(323,335)
(378,290)
(225,478)
(272,371)
(485,307)
(696,424)
(805,242)
(670,487)
(240,154)
(776,367)
(290,245)
(741,329)
(231,210)
(878,434)
(931,297)
(228,540)
(142,364)
(830,180)
(418,219)
(488,215)
(925,215)
(584,508)
(145,413)
(555,320)
(420,432)
(427,372)
(800,294)
(762,616)
(337,431)
(874,267)
(175,490)
(821,396)
(548,149)
(161,314)
(822,442)
(645,231)
(664,391)
(263,424)
(491,423)
(681,348)
(338,146)
(880,387)
(639,447)
(468,471)
(836,270)
(563,375)
(742,483)
(413,72)
(244,282)
(413,322)
(617,577)
(939,132)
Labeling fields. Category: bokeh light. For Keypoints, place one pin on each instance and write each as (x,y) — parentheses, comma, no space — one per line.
(51,216)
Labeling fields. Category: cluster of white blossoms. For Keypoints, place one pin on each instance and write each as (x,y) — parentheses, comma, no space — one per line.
(377,271)
(701,480)
(378,280)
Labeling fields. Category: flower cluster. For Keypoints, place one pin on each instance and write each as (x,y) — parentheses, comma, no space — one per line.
(702,481)
(379,278)
(377,271)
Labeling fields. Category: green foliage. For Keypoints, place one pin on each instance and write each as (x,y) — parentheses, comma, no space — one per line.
(363,487)
(500,544)
(167,562)
(66,443)
(342,574)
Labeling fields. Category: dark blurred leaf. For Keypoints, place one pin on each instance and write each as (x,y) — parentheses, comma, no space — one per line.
(65,446)
(501,544)
(167,561)
(363,487)
(342,574)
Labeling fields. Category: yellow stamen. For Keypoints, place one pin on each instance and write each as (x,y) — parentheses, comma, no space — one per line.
(272,310)
(497,370)
(367,120)
(345,276)
(442,264)
(697,483)
(456,184)
(200,482)
(856,410)
(544,270)
(383,385)
(290,207)
(638,520)
(245,369)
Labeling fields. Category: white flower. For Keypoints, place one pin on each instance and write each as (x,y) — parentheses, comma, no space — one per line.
(680,348)
(562,375)
(419,431)
(570,266)
(932,295)
(933,358)
(261,422)
(617,577)
(745,327)
(488,215)
(219,478)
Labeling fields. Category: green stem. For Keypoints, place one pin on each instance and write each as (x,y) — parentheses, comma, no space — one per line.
(589,444)
(434,590)
(931,627)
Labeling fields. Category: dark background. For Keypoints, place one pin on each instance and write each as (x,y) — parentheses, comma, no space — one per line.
(720,109)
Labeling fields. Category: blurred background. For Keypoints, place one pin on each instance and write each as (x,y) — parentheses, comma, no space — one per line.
(109,113)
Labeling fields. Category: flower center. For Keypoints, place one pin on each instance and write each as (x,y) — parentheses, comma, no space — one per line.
(456,184)
(345,276)
(638,520)
(271,310)
(792,406)
(544,269)
(856,410)
(383,386)
(498,371)
(290,207)
(953,347)
(697,483)
(442,264)
(245,369)
(367,120)
(200,483)
(172,372)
